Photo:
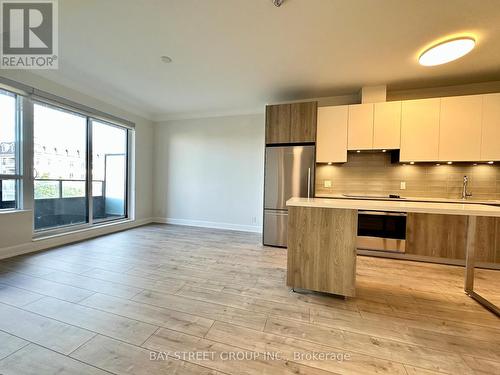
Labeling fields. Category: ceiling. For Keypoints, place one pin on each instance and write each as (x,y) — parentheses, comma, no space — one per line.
(237,55)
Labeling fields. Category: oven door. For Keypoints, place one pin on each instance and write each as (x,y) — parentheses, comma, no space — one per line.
(382,231)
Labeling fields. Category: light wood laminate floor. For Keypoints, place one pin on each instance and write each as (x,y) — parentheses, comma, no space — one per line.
(211,298)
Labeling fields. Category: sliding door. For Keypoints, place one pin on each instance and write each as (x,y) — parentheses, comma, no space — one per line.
(109,171)
(80,168)
(60,167)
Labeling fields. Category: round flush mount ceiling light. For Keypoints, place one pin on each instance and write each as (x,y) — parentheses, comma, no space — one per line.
(166,59)
(447,51)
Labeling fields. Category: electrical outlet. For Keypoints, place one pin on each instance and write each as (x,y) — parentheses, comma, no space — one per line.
(402,185)
(327,183)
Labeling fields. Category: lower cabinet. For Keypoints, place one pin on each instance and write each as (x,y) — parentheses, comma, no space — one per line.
(444,236)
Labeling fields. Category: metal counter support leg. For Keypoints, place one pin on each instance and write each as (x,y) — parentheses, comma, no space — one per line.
(469,267)
(470,256)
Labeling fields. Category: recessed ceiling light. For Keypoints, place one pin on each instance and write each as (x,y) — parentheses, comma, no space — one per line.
(166,59)
(330,163)
(449,163)
(412,162)
(447,51)
(358,151)
(438,164)
(384,150)
(490,162)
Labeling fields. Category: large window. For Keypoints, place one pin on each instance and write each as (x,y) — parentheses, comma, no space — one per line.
(60,167)
(10,174)
(66,191)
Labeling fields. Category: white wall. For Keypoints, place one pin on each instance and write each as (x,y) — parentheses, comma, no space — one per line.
(210,172)
(16,228)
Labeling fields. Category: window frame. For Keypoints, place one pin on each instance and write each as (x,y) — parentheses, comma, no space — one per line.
(18,176)
(91,223)
(90,121)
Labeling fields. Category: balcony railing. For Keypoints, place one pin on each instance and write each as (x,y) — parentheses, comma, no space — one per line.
(61,203)
(61,189)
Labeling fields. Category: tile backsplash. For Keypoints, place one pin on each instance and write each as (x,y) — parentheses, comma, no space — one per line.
(373,173)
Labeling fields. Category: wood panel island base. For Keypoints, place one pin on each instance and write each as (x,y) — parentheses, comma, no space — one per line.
(322,249)
(322,240)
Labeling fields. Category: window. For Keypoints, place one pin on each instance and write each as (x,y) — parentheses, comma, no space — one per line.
(66,192)
(10,170)
(60,139)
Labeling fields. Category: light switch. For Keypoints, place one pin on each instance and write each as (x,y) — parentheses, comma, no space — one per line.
(402,185)
(327,183)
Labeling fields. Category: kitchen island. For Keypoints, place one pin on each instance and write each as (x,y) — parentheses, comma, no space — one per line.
(322,240)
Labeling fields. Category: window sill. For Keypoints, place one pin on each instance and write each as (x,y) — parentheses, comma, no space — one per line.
(40,236)
(13,211)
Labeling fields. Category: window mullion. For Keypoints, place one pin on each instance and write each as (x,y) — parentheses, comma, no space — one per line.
(90,199)
(26,152)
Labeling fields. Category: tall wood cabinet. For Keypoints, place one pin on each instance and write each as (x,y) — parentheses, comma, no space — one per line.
(420,130)
(460,128)
(303,122)
(490,134)
(278,123)
(291,123)
(331,145)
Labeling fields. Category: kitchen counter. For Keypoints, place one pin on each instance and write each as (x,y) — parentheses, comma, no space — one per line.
(408,199)
(322,236)
(394,205)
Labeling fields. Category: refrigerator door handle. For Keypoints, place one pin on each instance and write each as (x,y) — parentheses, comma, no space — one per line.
(309,183)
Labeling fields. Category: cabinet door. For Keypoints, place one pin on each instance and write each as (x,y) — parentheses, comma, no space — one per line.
(387,126)
(443,236)
(420,130)
(360,127)
(490,145)
(460,128)
(303,122)
(331,143)
(439,236)
(278,123)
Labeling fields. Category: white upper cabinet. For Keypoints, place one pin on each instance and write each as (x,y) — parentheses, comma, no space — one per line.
(420,130)
(460,128)
(331,139)
(457,128)
(387,126)
(360,133)
(490,144)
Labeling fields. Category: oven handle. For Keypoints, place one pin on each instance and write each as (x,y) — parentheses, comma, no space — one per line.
(382,213)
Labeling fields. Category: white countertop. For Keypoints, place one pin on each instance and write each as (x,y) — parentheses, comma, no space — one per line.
(399,206)
(406,199)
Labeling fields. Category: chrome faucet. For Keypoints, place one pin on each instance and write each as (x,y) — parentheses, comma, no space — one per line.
(465,194)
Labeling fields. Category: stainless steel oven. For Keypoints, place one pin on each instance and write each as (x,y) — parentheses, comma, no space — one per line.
(382,231)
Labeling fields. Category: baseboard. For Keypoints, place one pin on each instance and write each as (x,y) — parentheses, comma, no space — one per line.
(64,239)
(209,224)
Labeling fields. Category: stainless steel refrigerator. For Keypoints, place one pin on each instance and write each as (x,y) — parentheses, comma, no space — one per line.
(289,172)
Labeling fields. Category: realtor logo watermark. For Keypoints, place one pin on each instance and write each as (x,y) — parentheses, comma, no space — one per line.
(29,34)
